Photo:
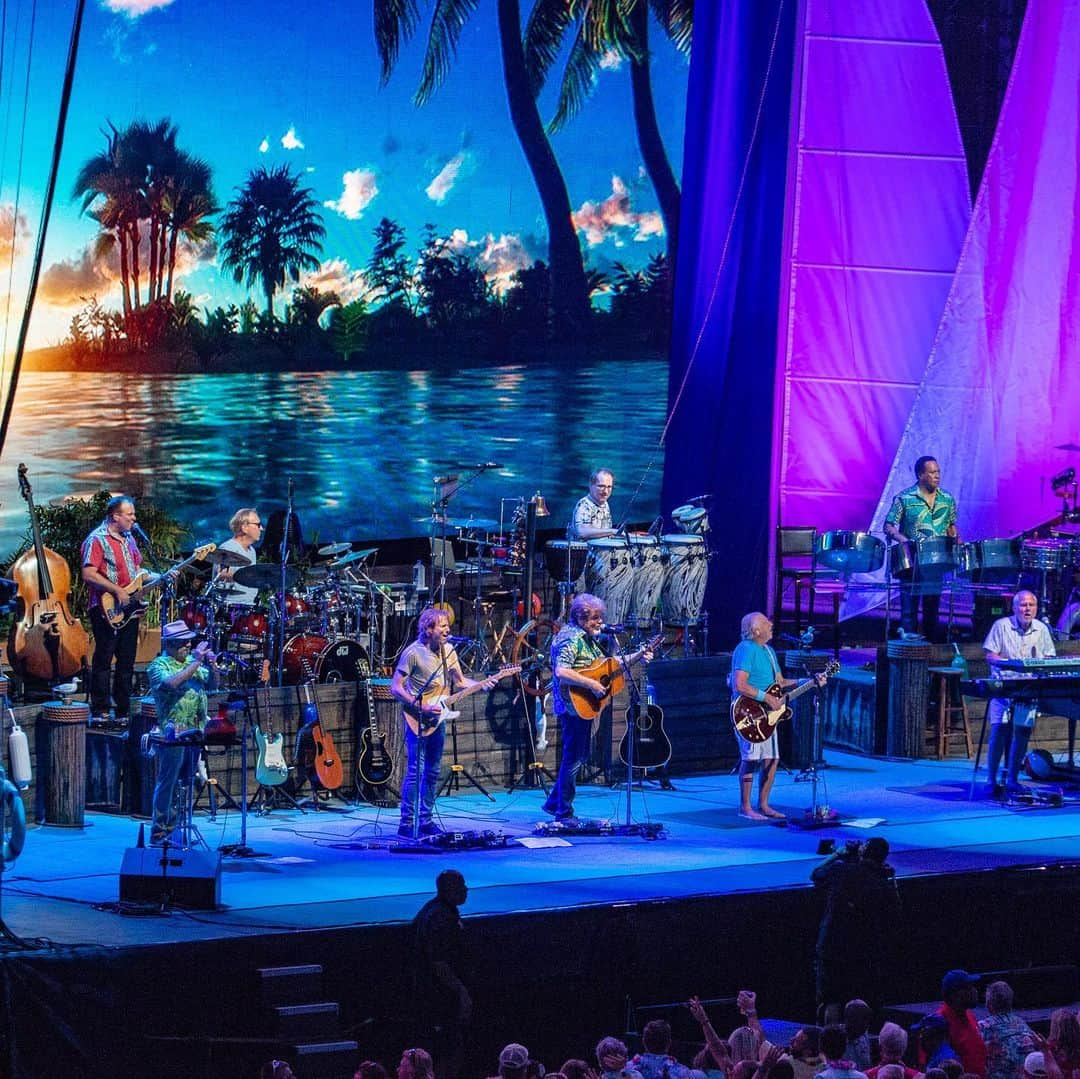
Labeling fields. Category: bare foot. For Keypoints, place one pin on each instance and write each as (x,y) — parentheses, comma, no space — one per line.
(772,814)
(752,814)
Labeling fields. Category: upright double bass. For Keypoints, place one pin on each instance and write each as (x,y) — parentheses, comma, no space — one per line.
(46,641)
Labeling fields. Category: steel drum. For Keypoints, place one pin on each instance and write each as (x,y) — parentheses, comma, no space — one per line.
(1046,554)
(565,559)
(930,557)
(693,520)
(992,561)
(650,569)
(609,575)
(850,552)
(684,582)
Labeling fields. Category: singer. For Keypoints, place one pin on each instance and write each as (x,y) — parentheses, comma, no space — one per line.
(592,514)
(111,561)
(1017,636)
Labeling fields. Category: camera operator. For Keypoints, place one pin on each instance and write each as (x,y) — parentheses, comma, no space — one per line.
(861,902)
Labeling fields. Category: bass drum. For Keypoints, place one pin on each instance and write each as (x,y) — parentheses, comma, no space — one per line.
(686,577)
(649,571)
(609,575)
(344,660)
(300,656)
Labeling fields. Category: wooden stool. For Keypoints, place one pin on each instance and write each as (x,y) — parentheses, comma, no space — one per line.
(942,718)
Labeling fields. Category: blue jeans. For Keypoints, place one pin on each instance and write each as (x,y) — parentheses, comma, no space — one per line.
(173,762)
(431,751)
(576,740)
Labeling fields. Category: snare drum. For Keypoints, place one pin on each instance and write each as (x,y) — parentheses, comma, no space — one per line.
(649,570)
(693,520)
(609,575)
(1046,554)
(684,582)
(565,559)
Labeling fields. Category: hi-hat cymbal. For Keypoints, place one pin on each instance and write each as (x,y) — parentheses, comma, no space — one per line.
(227,559)
(356,556)
(332,549)
(265,575)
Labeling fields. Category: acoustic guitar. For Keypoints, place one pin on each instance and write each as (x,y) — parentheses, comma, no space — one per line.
(645,743)
(609,672)
(756,722)
(327,763)
(270,767)
(119,613)
(373,764)
(428,724)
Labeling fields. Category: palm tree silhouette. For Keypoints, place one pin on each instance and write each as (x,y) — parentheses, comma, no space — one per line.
(272,231)
(395,21)
(622,27)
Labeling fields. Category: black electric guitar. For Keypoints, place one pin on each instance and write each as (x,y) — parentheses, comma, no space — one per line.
(756,722)
(373,764)
(645,743)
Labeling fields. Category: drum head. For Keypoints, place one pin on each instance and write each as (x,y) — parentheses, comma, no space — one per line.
(691,519)
(345,660)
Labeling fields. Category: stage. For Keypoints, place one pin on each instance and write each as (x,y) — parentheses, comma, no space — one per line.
(541,916)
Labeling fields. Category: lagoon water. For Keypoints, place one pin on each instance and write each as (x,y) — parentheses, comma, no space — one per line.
(361,447)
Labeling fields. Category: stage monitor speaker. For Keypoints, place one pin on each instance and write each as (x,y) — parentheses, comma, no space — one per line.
(189,878)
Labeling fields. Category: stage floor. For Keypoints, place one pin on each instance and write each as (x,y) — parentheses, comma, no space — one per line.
(336,869)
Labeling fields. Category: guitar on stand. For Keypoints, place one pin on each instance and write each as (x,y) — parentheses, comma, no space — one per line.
(374,764)
(645,742)
(271,768)
(315,745)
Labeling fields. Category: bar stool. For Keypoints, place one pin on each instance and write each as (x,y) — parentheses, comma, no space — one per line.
(950,706)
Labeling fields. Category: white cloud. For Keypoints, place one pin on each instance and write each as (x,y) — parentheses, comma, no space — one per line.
(12,244)
(442,185)
(499,258)
(290,141)
(264,146)
(359,188)
(134,8)
(610,61)
(335,275)
(612,219)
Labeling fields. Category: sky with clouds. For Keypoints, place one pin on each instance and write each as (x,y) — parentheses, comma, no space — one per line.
(252,85)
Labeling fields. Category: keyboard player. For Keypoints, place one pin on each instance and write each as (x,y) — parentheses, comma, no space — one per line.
(1018,636)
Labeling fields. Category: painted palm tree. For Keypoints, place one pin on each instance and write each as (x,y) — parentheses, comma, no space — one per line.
(187,204)
(395,21)
(602,27)
(272,231)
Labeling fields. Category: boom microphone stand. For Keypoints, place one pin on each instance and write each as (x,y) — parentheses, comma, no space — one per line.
(284,555)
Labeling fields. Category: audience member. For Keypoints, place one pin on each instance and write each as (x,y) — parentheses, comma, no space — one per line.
(892,1042)
(534,1069)
(1064,1042)
(613,1058)
(416,1064)
(833,1047)
(371,1070)
(743,1044)
(890,1071)
(577,1069)
(805,1053)
(276,1069)
(513,1061)
(715,1057)
(1041,1065)
(959,996)
(1008,1039)
(857,1016)
(656,1062)
(934,1046)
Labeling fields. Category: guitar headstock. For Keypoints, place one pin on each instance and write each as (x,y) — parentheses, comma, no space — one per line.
(201,552)
(24,484)
(264,674)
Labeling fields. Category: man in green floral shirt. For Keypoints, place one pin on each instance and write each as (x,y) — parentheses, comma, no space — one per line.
(921,511)
(179,678)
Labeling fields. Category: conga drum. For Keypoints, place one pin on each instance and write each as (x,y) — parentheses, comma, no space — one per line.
(609,575)
(65,780)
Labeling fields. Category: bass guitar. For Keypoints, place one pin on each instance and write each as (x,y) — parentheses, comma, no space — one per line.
(645,743)
(119,613)
(270,767)
(327,763)
(609,672)
(756,722)
(373,764)
(429,724)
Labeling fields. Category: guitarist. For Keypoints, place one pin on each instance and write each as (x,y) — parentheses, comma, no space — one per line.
(754,670)
(111,561)
(576,646)
(430,667)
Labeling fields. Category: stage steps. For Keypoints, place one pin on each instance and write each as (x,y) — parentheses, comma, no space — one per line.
(306,1030)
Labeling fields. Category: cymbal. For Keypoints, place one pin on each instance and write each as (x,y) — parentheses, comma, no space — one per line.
(356,556)
(1068,446)
(265,575)
(227,559)
(485,523)
(332,549)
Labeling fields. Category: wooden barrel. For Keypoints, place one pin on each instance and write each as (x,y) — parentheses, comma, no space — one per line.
(65,779)
(909,688)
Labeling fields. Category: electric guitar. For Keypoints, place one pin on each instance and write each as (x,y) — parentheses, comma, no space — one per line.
(753,719)
(373,764)
(609,672)
(270,767)
(428,724)
(328,766)
(119,613)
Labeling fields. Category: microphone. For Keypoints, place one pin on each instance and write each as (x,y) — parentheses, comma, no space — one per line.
(657,526)
(140,533)
(805,640)
(605,628)
(456,640)
(1063,478)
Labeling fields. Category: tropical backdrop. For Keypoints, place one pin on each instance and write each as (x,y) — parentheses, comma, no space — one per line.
(345,245)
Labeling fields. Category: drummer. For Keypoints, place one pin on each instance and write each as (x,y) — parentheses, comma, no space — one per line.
(592,514)
(922,510)
(246,526)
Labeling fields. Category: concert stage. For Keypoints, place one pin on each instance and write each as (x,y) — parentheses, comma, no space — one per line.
(606,921)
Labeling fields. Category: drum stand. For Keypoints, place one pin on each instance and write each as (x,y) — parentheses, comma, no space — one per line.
(189,833)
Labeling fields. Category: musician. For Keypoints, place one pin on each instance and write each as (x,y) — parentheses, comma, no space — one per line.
(110,561)
(1017,636)
(246,528)
(924,509)
(179,678)
(430,668)
(592,514)
(575,647)
(754,669)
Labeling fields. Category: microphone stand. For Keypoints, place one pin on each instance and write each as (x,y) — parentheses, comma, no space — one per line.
(284,555)
(241,849)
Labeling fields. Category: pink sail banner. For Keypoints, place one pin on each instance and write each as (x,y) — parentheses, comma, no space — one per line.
(877,207)
(997,405)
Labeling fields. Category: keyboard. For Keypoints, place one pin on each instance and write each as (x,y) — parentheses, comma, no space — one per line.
(1036,688)
(1053,665)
